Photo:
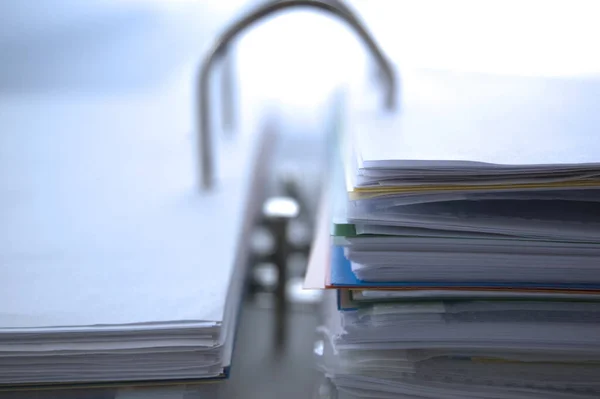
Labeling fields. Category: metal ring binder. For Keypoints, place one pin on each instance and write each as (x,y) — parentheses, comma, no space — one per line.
(218,49)
(227,108)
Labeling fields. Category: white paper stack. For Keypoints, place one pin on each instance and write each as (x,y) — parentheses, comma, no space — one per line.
(469,230)
(480,178)
(114,266)
(464,350)
(479,130)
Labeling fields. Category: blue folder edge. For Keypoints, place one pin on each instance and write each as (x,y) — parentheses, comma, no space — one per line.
(343,277)
(67,387)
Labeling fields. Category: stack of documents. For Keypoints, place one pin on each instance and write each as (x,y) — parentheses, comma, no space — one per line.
(465,249)
(114,266)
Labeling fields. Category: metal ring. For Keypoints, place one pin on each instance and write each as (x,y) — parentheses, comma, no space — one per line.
(337,8)
(227,74)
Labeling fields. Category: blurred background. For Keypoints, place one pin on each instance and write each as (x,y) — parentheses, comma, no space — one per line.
(131,64)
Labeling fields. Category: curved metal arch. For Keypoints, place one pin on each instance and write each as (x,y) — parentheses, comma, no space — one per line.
(334,7)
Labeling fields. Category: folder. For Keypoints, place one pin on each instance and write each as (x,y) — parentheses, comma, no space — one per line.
(115,268)
(463,248)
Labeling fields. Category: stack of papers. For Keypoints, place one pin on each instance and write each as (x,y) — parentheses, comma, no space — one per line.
(465,244)
(114,267)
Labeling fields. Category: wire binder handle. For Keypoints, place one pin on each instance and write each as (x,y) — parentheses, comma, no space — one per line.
(335,7)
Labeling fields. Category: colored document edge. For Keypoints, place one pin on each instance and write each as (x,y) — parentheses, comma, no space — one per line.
(343,277)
